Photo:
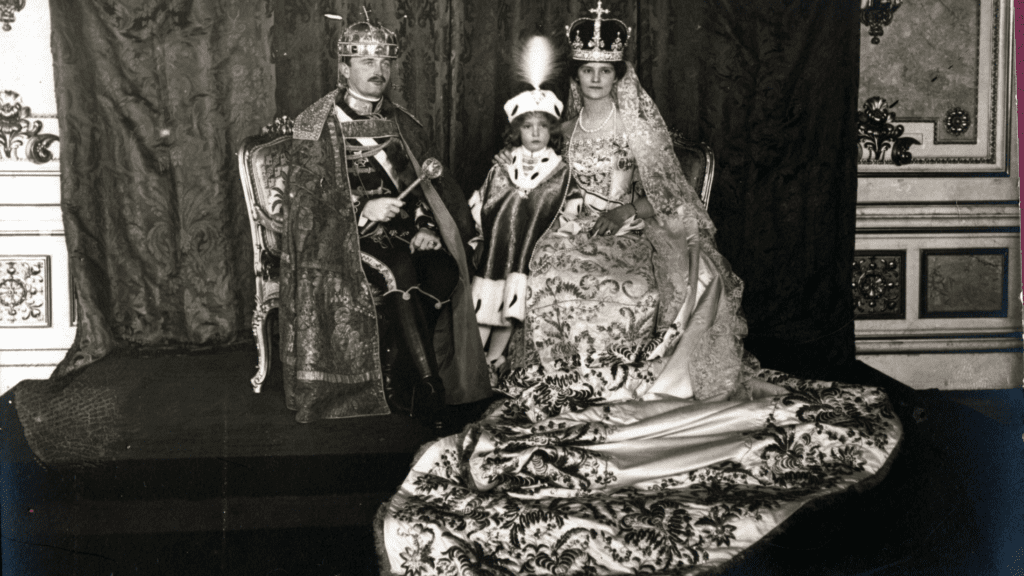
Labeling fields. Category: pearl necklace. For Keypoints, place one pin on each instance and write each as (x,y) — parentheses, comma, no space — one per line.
(579,121)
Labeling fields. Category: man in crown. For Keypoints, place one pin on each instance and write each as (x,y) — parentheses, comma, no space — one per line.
(369,218)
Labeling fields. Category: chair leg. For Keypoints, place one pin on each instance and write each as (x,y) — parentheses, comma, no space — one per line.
(261,328)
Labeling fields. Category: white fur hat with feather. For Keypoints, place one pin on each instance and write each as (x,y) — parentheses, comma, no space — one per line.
(535,65)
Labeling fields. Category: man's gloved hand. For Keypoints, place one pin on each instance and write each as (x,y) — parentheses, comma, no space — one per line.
(425,239)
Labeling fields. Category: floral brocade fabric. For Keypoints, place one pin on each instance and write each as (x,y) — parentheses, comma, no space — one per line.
(592,314)
(666,487)
(592,303)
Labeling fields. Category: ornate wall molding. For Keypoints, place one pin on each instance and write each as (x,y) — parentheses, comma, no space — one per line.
(20,138)
(951,67)
(876,14)
(958,121)
(7,10)
(894,218)
(879,285)
(24,291)
(880,138)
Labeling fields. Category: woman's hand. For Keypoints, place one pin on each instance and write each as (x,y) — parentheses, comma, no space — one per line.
(425,239)
(610,222)
(503,157)
(382,209)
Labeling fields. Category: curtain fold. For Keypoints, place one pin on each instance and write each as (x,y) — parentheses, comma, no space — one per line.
(153,99)
(771,86)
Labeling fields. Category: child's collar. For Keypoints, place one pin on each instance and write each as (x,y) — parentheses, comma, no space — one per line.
(544,162)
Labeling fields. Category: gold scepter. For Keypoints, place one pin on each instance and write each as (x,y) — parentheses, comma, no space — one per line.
(431,169)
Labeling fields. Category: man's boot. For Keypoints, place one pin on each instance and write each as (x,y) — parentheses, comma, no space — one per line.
(426,400)
(396,391)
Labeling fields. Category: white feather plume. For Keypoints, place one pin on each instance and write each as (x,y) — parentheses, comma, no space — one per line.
(537,62)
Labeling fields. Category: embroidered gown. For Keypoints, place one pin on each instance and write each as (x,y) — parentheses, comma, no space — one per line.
(591,300)
(630,441)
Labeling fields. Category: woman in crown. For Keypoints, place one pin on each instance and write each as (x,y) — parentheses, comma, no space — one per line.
(636,436)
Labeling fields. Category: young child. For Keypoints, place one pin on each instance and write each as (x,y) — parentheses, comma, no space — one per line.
(517,203)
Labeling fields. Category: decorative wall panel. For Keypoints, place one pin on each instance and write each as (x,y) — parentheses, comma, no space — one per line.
(26,144)
(964,283)
(936,90)
(24,291)
(959,294)
(35,325)
(879,285)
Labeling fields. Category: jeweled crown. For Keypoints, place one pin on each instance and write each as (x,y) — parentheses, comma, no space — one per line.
(366,39)
(598,39)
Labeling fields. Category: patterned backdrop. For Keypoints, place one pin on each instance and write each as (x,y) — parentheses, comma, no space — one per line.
(154,98)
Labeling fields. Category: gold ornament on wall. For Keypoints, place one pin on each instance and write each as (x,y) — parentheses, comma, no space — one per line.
(24,291)
(876,15)
(20,138)
(7,10)
(880,136)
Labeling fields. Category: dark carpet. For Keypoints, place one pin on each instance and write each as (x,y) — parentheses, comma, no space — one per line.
(195,474)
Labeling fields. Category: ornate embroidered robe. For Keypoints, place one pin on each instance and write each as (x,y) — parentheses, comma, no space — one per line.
(329,342)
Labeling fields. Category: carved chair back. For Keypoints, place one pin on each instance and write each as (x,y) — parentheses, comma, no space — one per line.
(263,166)
(698,164)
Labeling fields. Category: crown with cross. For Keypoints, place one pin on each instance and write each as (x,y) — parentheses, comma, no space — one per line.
(605,38)
(366,39)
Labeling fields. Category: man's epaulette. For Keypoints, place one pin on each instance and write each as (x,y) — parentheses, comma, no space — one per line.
(407,113)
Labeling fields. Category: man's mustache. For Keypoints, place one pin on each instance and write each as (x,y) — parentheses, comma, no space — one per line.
(380,79)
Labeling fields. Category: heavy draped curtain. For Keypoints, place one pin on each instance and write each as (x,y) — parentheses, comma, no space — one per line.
(771,86)
(154,97)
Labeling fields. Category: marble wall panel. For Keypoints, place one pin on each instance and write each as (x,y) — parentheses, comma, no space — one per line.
(964,283)
(935,89)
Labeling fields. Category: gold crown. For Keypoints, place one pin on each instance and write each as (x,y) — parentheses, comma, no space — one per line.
(607,41)
(366,39)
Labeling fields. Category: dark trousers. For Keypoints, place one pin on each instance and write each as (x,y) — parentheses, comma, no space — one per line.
(416,287)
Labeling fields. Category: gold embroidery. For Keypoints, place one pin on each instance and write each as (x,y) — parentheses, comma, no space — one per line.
(382,269)
(313,375)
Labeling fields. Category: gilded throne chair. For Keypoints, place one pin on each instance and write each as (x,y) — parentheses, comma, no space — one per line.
(263,166)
